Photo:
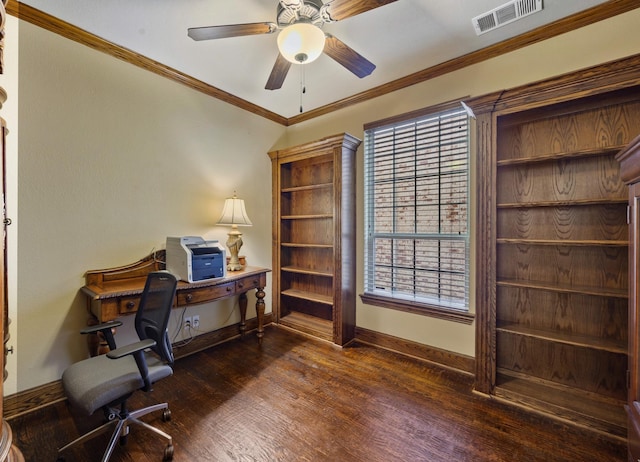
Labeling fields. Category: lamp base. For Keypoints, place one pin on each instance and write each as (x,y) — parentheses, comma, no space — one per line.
(234,243)
(241,258)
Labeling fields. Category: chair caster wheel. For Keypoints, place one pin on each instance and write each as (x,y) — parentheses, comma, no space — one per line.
(166,415)
(168,453)
(109,414)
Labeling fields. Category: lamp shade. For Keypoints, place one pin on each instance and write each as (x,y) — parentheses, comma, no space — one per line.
(301,42)
(234,213)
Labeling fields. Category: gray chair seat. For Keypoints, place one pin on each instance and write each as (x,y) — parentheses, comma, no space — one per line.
(96,382)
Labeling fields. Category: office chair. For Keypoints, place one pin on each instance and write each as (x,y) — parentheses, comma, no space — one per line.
(107,381)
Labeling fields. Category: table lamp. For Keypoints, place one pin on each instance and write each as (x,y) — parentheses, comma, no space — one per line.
(234,214)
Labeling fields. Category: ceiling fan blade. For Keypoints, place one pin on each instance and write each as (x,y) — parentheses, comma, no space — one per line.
(231,30)
(349,58)
(278,73)
(341,9)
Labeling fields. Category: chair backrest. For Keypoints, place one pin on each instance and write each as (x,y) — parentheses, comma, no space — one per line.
(154,310)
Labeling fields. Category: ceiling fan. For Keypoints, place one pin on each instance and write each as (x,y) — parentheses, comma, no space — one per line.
(301,39)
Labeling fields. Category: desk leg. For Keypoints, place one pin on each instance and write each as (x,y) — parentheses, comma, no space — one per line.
(260,312)
(242,302)
(97,343)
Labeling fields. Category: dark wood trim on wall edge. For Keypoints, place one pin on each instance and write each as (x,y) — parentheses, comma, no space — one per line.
(590,16)
(448,359)
(71,32)
(216,337)
(51,393)
(33,399)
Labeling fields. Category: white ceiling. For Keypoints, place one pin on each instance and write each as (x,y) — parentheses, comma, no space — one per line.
(400,38)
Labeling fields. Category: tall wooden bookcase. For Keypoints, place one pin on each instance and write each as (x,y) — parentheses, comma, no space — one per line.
(8,451)
(314,237)
(552,293)
(629,159)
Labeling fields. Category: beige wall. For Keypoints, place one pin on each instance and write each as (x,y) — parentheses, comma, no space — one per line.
(112,159)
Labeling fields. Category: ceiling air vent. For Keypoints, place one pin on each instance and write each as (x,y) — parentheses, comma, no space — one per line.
(505,14)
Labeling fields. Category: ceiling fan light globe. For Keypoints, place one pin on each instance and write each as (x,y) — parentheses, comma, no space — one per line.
(301,43)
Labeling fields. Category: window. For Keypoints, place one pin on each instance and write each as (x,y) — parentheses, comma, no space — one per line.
(417,214)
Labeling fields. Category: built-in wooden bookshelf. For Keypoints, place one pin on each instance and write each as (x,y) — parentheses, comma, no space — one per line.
(553,303)
(562,260)
(314,237)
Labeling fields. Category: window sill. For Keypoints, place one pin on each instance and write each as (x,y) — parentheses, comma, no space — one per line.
(433,311)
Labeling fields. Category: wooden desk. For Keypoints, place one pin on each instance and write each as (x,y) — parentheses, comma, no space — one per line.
(116,292)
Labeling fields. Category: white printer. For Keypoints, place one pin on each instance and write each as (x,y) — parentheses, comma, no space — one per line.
(193,259)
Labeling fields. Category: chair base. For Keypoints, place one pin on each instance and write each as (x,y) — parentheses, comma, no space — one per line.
(120,424)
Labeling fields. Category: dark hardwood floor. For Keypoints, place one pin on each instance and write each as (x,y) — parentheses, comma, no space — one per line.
(299,399)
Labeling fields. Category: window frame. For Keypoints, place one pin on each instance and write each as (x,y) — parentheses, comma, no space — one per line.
(409,304)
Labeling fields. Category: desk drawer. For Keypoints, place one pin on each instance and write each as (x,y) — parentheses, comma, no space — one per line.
(205,294)
(127,305)
(250,282)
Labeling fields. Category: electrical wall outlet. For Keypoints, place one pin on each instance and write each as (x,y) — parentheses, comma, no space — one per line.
(196,321)
(186,323)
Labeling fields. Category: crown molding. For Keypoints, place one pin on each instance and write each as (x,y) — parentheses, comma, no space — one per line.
(576,21)
(590,16)
(71,32)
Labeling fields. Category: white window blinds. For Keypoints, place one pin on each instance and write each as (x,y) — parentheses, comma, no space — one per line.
(416,210)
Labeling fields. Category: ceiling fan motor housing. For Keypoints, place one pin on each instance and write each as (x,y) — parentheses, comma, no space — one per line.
(309,11)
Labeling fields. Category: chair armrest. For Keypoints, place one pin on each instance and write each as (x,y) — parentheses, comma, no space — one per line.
(100,327)
(137,350)
(130,349)
(105,328)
